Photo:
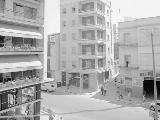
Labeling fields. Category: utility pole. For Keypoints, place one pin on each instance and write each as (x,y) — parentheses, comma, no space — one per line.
(154,78)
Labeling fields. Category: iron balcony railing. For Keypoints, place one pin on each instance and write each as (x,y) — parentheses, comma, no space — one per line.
(19,83)
(20,47)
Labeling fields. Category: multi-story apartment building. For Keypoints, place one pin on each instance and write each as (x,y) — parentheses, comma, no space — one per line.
(135,55)
(53,59)
(85,46)
(21,57)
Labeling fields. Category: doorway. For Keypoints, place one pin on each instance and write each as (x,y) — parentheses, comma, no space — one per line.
(148,88)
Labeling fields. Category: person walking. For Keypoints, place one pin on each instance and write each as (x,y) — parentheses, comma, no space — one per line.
(129,95)
(144,96)
(105,89)
(102,90)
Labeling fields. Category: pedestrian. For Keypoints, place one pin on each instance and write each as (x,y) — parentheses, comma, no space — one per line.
(105,89)
(129,96)
(120,95)
(102,90)
(68,85)
(144,96)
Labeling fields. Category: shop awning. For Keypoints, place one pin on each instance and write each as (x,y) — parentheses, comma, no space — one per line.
(20,33)
(19,63)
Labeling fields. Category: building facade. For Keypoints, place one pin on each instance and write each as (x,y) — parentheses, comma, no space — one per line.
(53,64)
(85,46)
(135,55)
(21,57)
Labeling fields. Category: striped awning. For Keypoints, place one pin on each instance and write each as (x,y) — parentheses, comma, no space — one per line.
(20,33)
(19,63)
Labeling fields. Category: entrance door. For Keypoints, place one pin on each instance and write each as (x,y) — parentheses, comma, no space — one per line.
(148,88)
(63,78)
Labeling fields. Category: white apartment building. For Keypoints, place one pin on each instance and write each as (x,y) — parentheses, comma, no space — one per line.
(135,55)
(21,57)
(85,45)
(53,57)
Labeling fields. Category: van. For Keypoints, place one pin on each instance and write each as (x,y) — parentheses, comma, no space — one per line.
(49,87)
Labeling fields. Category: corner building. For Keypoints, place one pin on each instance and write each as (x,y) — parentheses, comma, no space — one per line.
(85,45)
(135,56)
(21,57)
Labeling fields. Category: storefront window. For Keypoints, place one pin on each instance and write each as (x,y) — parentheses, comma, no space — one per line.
(12,98)
(27,94)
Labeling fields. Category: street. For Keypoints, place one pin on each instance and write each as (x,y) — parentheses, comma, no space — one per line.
(80,107)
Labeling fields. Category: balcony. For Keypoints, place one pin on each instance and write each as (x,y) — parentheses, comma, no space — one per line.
(20,49)
(33,1)
(128,44)
(92,27)
(19,83)
(84,10)
(19,18)
(101,54)
(87,55)
(88,68)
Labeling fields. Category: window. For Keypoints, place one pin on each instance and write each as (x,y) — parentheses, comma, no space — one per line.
(18,10)
(108,50)
(107,12)
(108,25)
(64,11)
(63,64)
(49,50)
(30,13)
(64,23)
(73,23)
(74,64)
(73,9)
(73,50)
(24,11)
(126,37)
(48,65)
(2,6)
(127,59)
(64,51)
(73,36)
(108,37)
(64,37)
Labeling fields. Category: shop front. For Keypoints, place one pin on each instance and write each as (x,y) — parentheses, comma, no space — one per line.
(148,83)
(21,101)
(130,82)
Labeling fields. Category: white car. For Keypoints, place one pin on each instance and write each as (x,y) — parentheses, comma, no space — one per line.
(49,87)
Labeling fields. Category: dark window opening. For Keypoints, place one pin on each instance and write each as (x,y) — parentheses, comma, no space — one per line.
(127,63)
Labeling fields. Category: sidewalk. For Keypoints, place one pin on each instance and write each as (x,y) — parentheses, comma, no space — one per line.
(111,95)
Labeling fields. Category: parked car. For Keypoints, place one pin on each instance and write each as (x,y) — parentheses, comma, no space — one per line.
(49,87)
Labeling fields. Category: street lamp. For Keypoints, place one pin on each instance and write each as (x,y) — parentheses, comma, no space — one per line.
(154,78)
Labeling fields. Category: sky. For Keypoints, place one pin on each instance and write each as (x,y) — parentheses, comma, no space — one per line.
(127,8)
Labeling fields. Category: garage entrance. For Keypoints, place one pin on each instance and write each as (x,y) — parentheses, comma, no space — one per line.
(148,88)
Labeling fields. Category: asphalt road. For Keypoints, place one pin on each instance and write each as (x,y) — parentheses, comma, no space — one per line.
(79,107)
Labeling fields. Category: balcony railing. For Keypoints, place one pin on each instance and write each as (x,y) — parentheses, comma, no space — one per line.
(19,83)
(22,48)
(88,53)
(12,16)
(85,11)
(101,53)
(88,68)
